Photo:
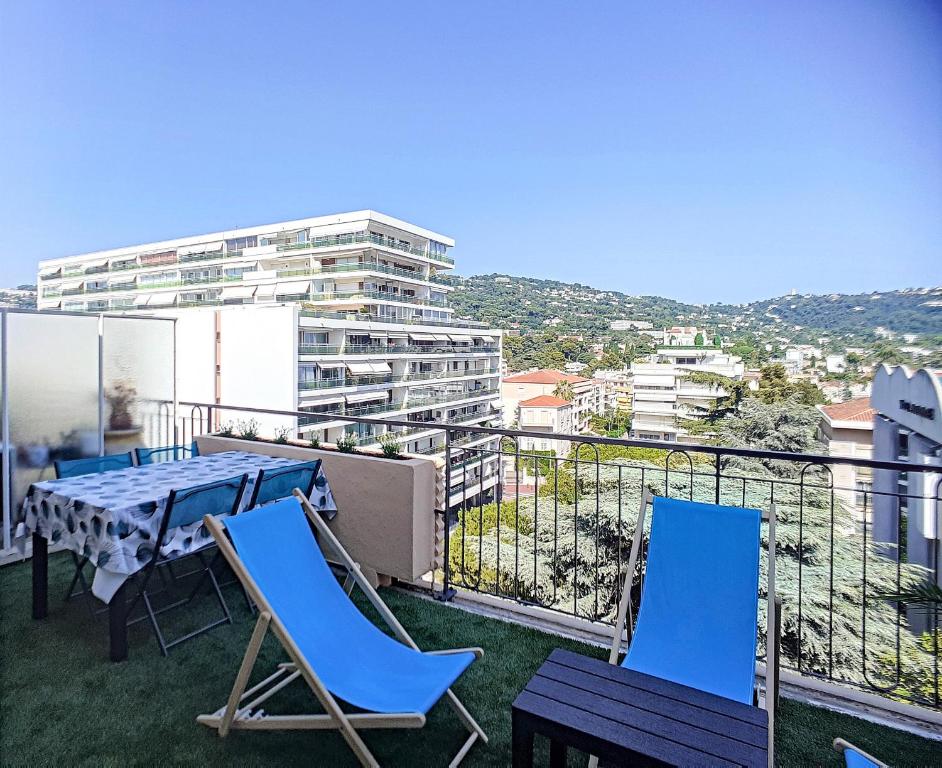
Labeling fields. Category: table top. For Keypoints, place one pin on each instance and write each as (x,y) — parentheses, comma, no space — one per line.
(574,695)
(113,517)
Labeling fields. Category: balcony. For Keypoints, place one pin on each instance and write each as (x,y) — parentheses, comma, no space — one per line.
(550,562)
(79,682)
(334,241)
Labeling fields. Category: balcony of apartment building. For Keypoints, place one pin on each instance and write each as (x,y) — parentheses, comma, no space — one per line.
(516,575)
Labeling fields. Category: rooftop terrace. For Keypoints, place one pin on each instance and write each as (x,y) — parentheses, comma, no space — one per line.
(64,703)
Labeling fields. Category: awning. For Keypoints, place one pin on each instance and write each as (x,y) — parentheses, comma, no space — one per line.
(202,248)
(140,301)
(265,292)
(330,366)
(378,334)
(360,368)
(95,264)
(161,299)
(461,338)
(70,286)
(441,337)
(380,367)
(237,292)
(324,401)
(292,287)
(398,335)
(362,397)
(488,339)
(421,337)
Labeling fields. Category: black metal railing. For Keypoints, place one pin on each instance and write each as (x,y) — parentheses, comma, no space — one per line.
(554,531)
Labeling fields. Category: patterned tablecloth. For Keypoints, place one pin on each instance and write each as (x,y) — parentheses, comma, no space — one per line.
(112,518)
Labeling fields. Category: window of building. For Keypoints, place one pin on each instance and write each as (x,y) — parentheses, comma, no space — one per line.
(238,243)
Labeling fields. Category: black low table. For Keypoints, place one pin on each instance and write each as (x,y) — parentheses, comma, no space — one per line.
(624,717)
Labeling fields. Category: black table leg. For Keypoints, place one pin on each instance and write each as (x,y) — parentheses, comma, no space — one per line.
(557,754)
(40,577)
(118,625)
(522,742)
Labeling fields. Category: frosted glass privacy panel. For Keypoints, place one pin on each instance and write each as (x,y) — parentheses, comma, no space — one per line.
(137,356)
(52,384)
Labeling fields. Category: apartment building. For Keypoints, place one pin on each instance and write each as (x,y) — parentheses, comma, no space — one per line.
(663,396)
(550,415)
(847,430)
(335,315)
(618,387)
(587,395)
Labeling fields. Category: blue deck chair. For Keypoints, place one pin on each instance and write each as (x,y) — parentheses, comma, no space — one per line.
(75,468)
(165,453)
(855,757)
(185,507)
(339,653)
(698,620)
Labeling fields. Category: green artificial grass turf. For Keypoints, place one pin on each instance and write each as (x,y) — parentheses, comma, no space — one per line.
(63,703)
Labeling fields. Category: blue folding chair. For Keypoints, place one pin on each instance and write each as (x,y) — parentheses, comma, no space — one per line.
(338,652)
(166,453)
(697,623)
(75,468)
(185,507)
(854,757)
(276,484)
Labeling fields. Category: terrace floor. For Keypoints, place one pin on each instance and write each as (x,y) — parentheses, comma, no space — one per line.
(63,703)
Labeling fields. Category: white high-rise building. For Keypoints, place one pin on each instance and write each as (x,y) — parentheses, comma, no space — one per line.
(344,315)
(664,395)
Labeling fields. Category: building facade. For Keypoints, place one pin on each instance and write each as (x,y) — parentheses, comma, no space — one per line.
(847,430)
(908,427)
(549,415)
(663,395)
(333,315)
(588,396)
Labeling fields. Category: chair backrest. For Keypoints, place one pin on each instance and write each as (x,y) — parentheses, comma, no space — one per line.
(697,623)
(165,453)
(275,484)
(854,757)
(77,467)
(187,505)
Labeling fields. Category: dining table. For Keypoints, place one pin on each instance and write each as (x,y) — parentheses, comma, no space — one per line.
(112,519)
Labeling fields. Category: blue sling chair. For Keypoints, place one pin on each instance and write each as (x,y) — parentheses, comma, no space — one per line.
(66,468)
(697,624)
(337,651)
(855,757)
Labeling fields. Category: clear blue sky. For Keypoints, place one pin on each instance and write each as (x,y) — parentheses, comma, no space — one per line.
(703,151)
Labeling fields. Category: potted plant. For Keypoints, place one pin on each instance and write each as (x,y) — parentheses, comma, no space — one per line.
(122,434)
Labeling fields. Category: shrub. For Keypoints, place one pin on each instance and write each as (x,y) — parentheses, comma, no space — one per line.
(347,443)
(390,445)
(315,440)
(247,430)
(281,435)
(226,430)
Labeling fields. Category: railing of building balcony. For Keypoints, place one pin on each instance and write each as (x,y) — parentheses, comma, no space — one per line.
(365,266)
(373,318)
(396,349)
(365,379)
(555,530)
(339,412)
(365,237)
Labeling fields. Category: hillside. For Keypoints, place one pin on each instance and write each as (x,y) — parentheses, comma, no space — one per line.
(526,303)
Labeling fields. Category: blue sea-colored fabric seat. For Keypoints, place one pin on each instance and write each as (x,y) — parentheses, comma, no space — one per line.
(354,659)
(854,757)
(697,623)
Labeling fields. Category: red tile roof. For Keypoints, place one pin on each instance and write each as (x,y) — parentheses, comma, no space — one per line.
(544,401)
(857,409)
(544,377)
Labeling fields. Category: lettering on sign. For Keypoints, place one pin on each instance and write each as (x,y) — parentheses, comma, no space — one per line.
(923,411)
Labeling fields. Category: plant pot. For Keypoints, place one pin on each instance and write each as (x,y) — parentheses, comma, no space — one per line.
(385,507)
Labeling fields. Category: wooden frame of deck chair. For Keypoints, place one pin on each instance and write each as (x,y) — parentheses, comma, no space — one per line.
(241,710)
(624,624)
